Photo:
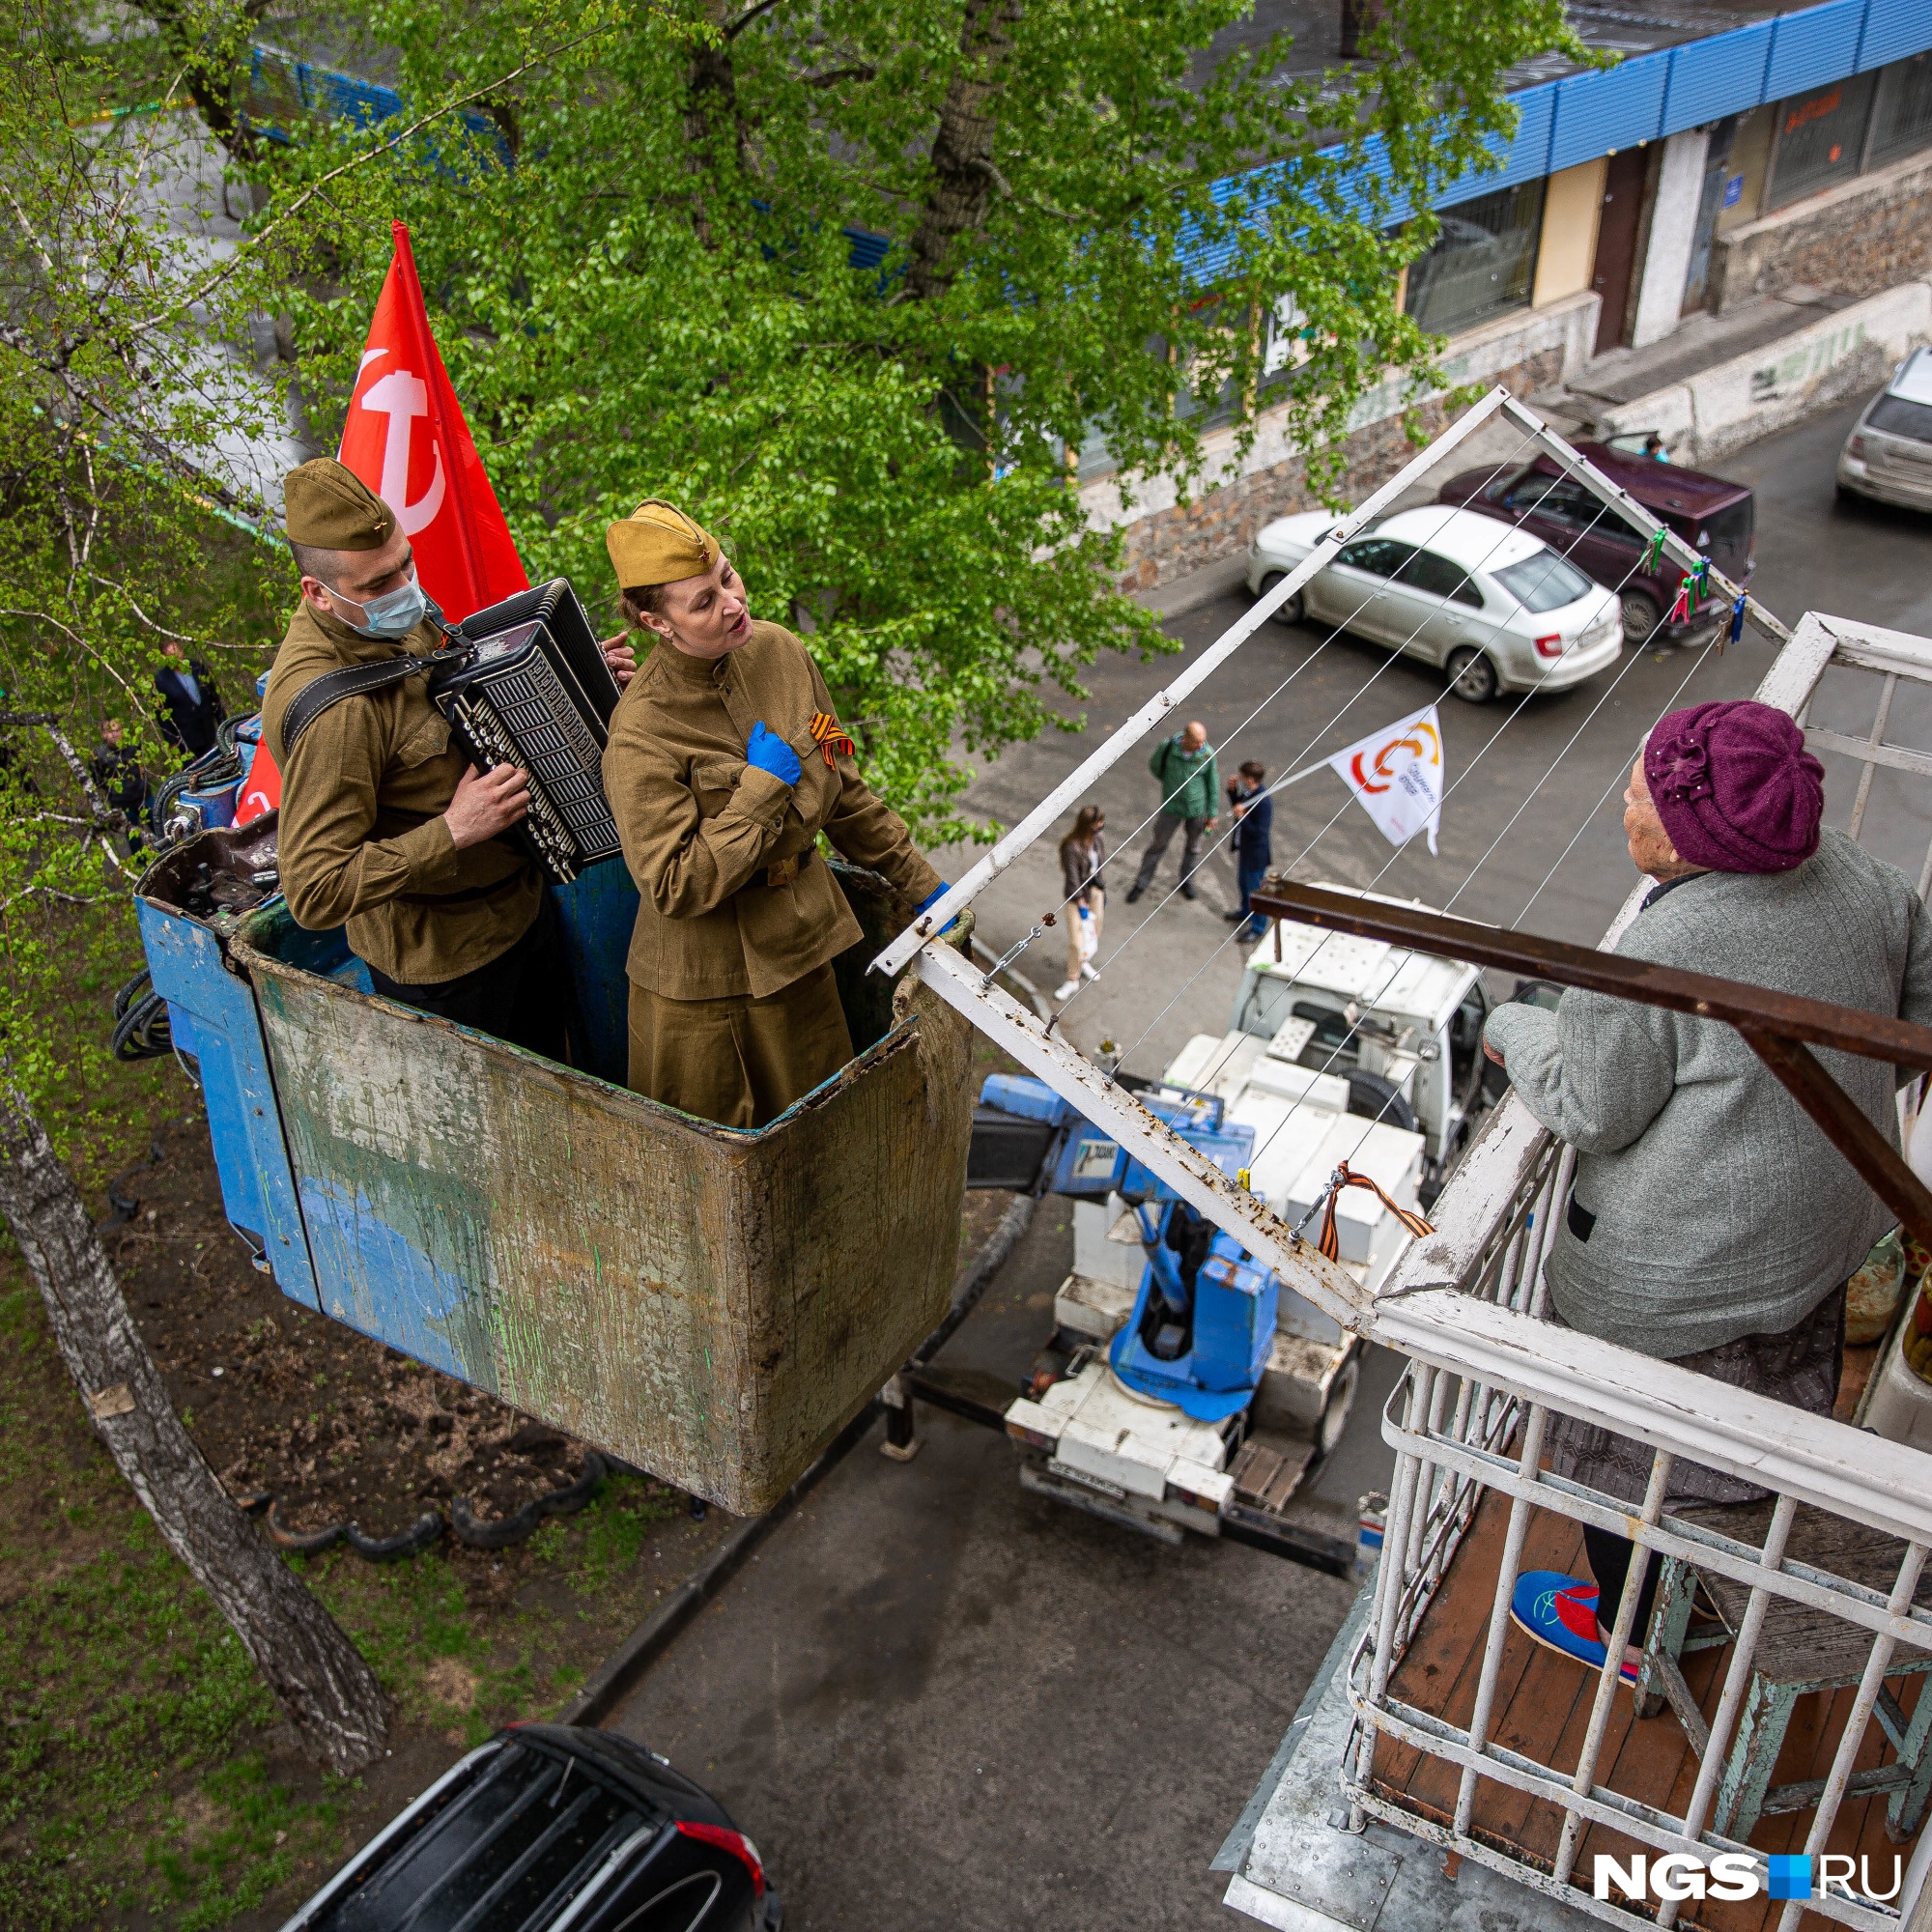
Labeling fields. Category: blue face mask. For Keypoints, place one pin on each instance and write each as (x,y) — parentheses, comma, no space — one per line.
(393,614)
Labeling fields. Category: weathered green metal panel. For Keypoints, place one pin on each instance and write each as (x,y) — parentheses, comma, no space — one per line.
(710,1305)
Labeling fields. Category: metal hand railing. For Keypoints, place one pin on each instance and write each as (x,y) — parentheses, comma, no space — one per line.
(1460,1435)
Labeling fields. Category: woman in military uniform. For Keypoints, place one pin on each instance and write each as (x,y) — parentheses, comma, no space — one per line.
(726,761)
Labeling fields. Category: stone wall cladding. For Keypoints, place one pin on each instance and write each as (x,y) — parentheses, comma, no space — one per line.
(1870,235)
(1223,522)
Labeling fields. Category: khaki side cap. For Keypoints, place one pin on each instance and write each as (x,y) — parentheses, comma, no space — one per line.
(331,507)
(657,543)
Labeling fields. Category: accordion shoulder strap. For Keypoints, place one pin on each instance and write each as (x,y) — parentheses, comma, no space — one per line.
(322,693)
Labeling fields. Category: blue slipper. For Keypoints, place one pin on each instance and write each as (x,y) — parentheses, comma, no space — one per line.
(1560,1614)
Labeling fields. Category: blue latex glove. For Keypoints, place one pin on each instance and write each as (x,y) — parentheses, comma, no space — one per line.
(932,898)
(771,753)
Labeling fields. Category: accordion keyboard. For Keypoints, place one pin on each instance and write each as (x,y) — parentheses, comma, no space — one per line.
(518,713)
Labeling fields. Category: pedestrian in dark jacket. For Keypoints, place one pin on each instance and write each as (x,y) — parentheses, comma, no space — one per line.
(117,771)
(1083,890)
(1254,822)
(191,705)
(1190,784)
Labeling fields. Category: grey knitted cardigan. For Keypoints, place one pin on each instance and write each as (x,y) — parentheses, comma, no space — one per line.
(1721,1210)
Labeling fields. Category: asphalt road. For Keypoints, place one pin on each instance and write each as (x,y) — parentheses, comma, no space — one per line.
(1532,829)
(935,1699)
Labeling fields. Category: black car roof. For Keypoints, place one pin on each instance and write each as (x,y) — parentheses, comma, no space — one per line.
(506,1846)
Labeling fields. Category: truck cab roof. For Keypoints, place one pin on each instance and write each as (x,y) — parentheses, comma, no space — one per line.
(1390,980)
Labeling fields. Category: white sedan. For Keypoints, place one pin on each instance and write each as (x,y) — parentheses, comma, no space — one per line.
(1497,608)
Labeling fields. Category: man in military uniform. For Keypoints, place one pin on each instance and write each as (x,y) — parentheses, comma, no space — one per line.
(726,761)
(384,827)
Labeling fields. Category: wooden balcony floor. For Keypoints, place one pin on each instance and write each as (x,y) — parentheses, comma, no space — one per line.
(1543,1709)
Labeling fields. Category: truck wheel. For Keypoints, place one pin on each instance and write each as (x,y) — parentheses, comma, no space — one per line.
(1290,612)
(1340,1400)
(1640,617)
(1472,677)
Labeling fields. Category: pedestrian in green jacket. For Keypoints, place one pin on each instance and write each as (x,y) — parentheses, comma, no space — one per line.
(1190,785)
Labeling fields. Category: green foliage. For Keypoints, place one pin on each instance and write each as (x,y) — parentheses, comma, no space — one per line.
(614,1528)
(122,371)
(124,1692)
(656,299)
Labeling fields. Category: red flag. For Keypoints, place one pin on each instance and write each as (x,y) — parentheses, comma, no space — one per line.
(261,790)
(406,437)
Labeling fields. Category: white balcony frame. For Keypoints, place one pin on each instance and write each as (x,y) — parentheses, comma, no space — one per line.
(1465,1305)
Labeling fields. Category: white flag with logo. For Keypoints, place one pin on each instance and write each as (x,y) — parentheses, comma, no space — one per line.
(1397,775)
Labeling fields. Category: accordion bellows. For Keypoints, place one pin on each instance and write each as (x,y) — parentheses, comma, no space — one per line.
(538,694)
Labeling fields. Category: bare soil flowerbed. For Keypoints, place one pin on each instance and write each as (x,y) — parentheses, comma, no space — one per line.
(145,1780)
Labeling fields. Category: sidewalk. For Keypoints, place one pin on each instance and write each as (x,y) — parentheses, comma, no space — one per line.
(1719,381)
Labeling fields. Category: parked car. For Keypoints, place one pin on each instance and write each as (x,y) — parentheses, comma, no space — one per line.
(1888,454)
(549,1827)
(1497,610)
(1715,518)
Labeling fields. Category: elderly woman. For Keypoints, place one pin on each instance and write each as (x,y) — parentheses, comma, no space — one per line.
(1711,1224)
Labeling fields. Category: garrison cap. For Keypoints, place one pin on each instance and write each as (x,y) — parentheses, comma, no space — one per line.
(329,506)
(657,543)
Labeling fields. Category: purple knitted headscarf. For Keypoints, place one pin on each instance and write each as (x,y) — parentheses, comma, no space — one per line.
(1735,787)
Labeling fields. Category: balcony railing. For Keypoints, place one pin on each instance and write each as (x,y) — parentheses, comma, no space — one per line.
(1466,1739)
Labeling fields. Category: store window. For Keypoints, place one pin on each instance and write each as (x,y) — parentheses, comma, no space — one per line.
(1821,139)
(1482,264)
(1902,119)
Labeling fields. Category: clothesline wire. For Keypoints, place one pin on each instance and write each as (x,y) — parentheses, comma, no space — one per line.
(1609,788)
(1522,701)
(1505,532)
(1369,1005)
(1340,1045)
(1505,462)
(1354,1029)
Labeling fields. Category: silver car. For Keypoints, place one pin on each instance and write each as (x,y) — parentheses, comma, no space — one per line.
(1497,608)
(1888,453)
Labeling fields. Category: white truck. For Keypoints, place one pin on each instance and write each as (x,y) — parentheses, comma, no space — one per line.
(1341,1049)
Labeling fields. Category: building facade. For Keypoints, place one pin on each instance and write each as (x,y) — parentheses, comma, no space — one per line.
(1754,186)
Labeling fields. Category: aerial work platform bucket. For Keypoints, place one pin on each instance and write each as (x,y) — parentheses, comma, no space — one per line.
(710,1304)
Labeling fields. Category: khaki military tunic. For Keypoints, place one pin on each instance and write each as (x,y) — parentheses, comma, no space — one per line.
(736,906)
(363,842)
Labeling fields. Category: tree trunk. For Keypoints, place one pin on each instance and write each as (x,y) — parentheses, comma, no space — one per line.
(320,1680)
(963,148)
(208,51)
(711,116)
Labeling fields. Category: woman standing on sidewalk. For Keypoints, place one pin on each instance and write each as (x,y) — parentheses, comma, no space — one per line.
(1082,854)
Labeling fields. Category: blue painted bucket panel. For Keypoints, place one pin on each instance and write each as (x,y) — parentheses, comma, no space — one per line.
(213,1016)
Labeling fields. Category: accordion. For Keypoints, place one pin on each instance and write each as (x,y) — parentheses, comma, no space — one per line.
(525,684)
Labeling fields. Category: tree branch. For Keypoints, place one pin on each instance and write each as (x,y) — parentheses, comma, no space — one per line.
(284,215)
(746,18)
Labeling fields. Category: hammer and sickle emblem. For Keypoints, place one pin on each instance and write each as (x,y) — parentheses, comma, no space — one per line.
(403,397)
